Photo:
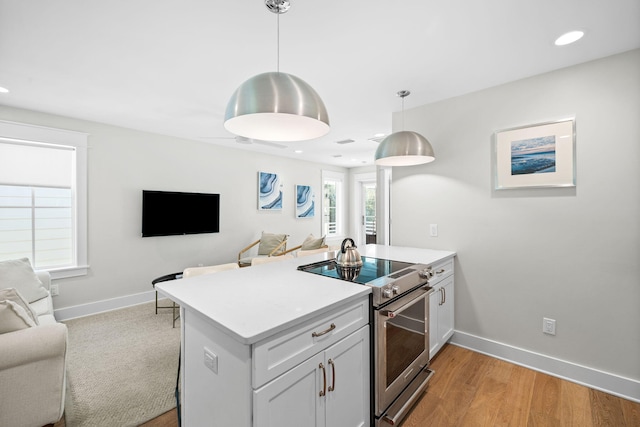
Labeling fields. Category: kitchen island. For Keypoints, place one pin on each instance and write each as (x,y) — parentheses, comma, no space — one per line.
(270,345)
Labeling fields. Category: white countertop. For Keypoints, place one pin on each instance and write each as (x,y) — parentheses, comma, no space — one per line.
(253,303)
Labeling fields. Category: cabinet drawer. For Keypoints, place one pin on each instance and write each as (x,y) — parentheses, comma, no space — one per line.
(276,355)
(441,270)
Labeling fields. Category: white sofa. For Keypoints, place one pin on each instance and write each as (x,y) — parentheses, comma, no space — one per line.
(32,367)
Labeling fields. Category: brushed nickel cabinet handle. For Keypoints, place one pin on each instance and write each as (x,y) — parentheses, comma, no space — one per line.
(444,291)
(324,380)
(326,331)
(440,271)
(441,296)
(333,375)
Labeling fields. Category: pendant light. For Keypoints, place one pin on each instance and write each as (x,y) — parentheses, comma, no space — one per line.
(276,106)
(404,148)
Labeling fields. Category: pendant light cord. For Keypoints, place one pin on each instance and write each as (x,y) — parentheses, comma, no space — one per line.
(403,94)
(278,39)
(403,113)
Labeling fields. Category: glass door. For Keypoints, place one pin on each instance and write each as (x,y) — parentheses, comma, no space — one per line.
(368,206)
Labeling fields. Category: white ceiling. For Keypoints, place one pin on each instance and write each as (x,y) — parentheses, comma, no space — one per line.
(169,66)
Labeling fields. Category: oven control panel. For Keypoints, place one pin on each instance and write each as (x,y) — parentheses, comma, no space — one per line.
(405,280)
(426,273)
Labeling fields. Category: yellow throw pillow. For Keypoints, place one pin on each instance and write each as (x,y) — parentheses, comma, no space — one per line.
(311,243)
(269,241)
(13,317)
(11,294)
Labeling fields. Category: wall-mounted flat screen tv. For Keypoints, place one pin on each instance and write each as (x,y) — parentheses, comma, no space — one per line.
(169,213)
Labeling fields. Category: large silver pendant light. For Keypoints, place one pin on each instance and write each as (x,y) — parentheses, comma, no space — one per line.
(276,106)
(404,148)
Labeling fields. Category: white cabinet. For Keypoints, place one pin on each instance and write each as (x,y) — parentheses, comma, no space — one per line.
(277,381)
(329,389)
(441,307)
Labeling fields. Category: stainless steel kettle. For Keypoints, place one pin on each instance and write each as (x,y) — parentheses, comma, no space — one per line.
(348,256)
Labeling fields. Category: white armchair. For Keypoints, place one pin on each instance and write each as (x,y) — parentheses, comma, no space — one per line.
(33,365)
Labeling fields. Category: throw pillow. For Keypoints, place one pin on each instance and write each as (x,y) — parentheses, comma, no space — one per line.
(17,273)
(13,317)
(269,241)
(10,294)
(311,243)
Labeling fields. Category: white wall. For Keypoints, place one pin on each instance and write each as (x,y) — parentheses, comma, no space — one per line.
(123,162)
(569,254)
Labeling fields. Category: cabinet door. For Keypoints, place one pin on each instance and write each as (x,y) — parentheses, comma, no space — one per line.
(293,399)
(348,395)
(446,312)
(441,315)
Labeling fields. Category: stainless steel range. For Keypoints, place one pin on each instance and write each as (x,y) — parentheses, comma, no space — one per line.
(400,342)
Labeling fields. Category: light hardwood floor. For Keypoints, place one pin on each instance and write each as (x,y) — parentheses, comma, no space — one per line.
(471,389)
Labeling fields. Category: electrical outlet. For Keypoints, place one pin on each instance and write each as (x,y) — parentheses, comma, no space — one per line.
(54,290)
(433,230)
(549,326)
(211,360)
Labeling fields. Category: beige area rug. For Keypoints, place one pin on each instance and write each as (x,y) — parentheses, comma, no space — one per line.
(122,367)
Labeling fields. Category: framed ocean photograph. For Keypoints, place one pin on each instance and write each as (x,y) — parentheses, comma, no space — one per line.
(269,192)
(305,203)
(540,155)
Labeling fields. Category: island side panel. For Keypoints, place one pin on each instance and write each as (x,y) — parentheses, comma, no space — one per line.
(210,398)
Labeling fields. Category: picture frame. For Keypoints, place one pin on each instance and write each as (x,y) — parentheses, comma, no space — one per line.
(535,156)
(305,201)
(270,194)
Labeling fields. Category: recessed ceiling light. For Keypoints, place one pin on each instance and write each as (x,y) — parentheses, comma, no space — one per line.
(568,38)
(378,135)
(4,90)
(298,151)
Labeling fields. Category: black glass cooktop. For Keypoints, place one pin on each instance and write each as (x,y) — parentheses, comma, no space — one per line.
(372,268)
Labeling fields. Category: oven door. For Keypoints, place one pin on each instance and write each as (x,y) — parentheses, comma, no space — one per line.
(401,345)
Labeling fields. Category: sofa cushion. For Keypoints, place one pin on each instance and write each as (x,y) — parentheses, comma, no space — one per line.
(268,242)
(13,317)
(42,306)
(47,319)
(18,274)
(312,243)
(12,294)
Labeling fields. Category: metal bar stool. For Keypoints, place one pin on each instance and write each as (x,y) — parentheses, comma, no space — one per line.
(173,307)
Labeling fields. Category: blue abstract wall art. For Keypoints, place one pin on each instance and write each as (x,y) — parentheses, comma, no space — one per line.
(305,203)
(269,191)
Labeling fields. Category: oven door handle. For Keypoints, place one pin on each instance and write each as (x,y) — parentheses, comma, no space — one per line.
(402,303)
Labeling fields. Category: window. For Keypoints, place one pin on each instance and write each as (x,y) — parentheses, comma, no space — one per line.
(332,203)
(43,198)
(37,223)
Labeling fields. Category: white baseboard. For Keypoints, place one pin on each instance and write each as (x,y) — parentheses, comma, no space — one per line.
(67,313)
(610,383)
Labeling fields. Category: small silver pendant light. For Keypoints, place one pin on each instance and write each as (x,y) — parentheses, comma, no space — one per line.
(276,106)
(404,148)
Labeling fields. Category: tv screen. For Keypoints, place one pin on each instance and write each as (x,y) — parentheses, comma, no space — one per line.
(168,213)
